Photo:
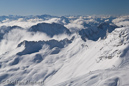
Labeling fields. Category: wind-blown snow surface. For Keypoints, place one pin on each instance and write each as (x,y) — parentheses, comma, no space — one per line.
(64,51)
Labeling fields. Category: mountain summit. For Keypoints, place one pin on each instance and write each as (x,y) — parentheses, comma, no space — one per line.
(50,29)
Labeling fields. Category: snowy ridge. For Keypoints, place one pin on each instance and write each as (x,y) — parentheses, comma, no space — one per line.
(32,47)
(53,51)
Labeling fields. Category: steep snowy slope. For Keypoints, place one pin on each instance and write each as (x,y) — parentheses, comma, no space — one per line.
(117,55)
(50,55)
(102,54)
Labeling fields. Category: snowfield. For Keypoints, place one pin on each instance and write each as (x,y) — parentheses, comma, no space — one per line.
(64,51)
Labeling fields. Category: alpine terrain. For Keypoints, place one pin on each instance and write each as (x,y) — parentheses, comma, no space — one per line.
(47,50)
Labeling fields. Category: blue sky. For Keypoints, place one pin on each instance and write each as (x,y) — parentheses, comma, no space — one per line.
(64,7)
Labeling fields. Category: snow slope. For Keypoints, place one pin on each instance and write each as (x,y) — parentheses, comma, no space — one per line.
(92,53)
(114,58)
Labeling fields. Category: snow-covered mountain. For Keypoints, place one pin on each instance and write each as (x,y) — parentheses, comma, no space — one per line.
(64,51)
(50,29)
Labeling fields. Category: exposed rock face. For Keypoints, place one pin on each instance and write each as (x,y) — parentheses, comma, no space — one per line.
(50,29)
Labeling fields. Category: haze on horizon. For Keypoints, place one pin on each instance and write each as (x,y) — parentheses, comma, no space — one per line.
(64,7)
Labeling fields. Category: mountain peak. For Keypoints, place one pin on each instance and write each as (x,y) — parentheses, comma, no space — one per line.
(50,29)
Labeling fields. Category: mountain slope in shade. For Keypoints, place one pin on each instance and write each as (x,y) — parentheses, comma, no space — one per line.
(32,46)
(96,33)
(50,29)
(5,29)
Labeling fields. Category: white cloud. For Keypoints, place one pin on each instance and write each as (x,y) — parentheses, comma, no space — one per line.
(15,36)
(21,22)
